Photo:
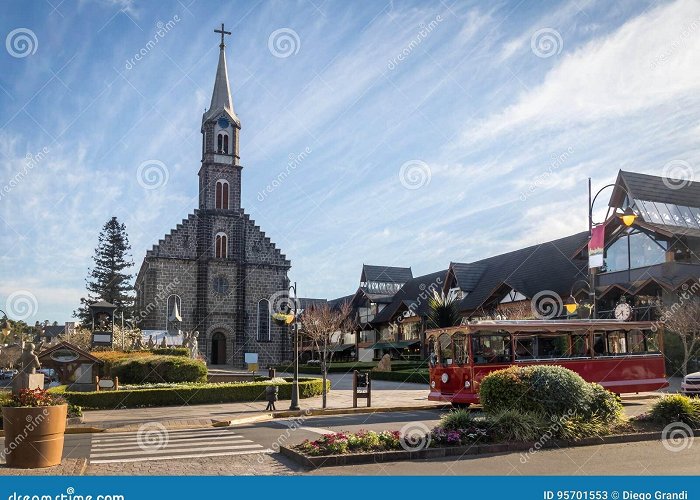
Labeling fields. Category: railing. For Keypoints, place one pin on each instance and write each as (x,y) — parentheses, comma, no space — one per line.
(640,313)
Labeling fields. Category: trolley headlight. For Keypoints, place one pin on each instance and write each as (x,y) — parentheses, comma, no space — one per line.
(467,384)
(445,377)
(432,384)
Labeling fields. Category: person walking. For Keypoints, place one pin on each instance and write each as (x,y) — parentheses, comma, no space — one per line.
(271,392)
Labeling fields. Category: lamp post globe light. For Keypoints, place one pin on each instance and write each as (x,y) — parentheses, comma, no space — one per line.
(627,217)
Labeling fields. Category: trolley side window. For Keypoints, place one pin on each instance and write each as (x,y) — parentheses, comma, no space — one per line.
(460,347)
(652,341)
(635,342)
(432,351)
(524,348)
(446,351)
(488,349)
(550,346)
(579,346)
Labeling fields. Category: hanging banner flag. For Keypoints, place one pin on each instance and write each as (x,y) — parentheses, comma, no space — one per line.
(596,247)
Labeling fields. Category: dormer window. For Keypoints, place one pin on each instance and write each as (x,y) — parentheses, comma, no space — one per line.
(221,195)
(221,246)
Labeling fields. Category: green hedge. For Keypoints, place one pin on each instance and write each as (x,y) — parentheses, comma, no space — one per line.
(351,366)
(187,394)
(413,376)
(154,369)
(172,351)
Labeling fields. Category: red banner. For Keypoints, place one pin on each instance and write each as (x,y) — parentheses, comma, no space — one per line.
(596,246)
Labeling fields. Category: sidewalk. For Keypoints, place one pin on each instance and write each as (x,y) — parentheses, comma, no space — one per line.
(385,395)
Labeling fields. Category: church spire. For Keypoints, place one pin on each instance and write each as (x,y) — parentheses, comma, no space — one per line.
(221,97)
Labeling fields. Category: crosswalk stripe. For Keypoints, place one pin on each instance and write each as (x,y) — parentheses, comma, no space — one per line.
(180,457)
(170,444)
(135,446)
(183,437)
(168,450)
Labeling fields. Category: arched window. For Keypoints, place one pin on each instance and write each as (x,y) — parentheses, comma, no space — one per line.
(264,320)
(221,197)
(226,144)
(220,143)
(221,246)
(174,312)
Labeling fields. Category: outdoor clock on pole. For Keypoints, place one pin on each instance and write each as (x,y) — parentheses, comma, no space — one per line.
(623,311)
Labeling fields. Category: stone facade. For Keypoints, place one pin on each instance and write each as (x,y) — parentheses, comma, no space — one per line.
(219,296)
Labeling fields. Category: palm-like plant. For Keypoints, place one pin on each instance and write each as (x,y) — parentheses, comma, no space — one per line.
(442,310)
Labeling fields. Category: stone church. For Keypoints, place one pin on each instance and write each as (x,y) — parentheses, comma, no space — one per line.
(216,272)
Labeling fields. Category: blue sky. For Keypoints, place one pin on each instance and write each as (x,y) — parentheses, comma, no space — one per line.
(431,131)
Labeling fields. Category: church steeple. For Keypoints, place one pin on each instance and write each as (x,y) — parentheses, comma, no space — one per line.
(220,173)
(221,100)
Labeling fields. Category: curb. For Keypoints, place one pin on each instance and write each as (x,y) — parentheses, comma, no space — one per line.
(476,449)
(312,412)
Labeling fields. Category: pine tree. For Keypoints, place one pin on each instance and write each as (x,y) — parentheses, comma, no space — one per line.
(109,279)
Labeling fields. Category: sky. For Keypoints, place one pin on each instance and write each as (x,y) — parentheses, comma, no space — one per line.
(393,133)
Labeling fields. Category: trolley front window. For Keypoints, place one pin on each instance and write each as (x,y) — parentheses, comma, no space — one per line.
(446,351)
(488,349)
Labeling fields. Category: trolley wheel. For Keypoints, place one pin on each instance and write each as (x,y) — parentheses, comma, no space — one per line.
(460,406)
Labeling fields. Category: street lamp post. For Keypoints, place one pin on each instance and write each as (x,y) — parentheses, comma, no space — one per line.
(294,405)
(627,217)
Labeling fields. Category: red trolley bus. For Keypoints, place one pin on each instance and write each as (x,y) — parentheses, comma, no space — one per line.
(621,356)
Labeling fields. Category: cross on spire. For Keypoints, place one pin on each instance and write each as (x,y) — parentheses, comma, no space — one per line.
(223,32)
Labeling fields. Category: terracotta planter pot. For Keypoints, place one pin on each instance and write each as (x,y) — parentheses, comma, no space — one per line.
(34,436)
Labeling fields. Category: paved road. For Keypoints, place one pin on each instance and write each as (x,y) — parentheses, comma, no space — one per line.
(644,458)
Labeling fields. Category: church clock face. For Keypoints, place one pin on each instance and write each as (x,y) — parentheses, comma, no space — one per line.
(223,122)
(220,285)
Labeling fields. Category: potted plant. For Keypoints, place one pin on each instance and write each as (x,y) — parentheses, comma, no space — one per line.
(283,319)
(34,422)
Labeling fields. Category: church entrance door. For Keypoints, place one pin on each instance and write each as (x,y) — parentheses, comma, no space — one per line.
(218,349)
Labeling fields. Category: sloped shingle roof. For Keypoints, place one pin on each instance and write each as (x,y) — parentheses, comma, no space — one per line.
(386,274)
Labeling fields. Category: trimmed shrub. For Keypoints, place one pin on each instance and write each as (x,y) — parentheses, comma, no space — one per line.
(604,404)
(514,425)
(578,427)
(413,376)
(549,390)
(676,408)
(456,419)
(171,351)
(187,394)
(155,369)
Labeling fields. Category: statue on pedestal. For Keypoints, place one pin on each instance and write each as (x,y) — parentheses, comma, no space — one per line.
(27,365)
(150,343)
